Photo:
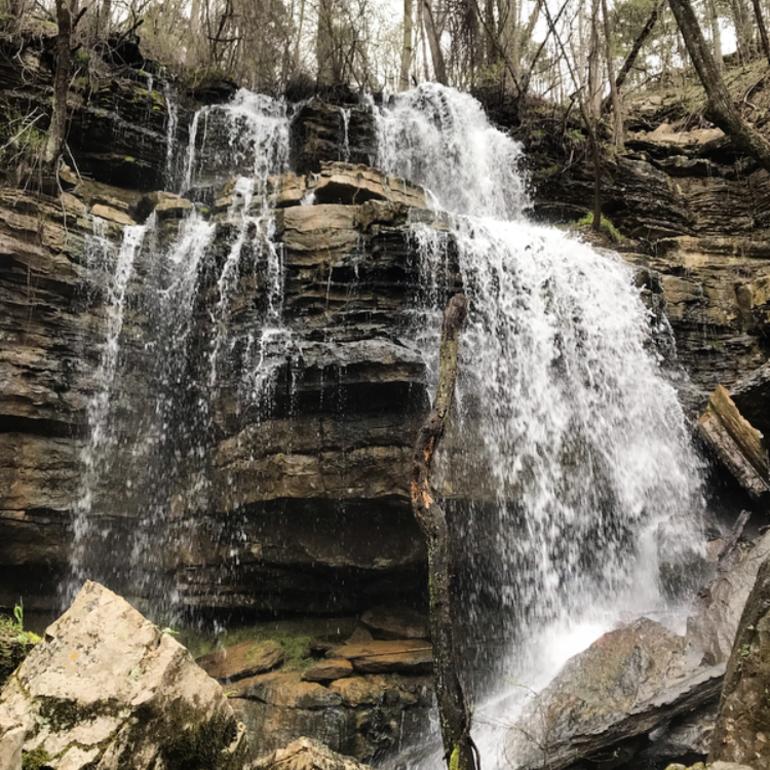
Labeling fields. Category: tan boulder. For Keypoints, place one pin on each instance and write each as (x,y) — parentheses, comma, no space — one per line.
(306,754)
(107,688)
(112,214)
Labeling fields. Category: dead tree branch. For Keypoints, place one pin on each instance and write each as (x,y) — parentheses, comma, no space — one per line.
(454,716)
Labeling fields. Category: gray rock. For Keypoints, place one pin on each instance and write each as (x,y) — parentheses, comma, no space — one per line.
(106,687)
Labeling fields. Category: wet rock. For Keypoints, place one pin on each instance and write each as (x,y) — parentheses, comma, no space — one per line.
(396,623)
(328,670)
(306,754)
(407,655)
(111,214)
(737,444)
(107,687)
(353,184)
(365,716)
(319,134)
(711,628)
(742,731)
(242,660)
(628,683)
(166,205)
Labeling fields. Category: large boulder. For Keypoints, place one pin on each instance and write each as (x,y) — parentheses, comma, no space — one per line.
(712,626)
(742,732)
(629,682)
(107,688)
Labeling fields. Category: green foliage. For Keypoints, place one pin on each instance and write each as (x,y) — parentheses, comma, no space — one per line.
(15,642)
(35,760)
(607,227)
(21,138)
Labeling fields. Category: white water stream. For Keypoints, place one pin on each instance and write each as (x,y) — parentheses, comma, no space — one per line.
(567,433)
(568,437)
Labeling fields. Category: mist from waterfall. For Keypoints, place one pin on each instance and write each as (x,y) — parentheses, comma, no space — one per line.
(568,435)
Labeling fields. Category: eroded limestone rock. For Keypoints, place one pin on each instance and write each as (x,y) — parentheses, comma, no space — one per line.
(107,687)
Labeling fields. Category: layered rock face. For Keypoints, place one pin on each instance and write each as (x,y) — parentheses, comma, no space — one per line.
(701,214)
(306,505)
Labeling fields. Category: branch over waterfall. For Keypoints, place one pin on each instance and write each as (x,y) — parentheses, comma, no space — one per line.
(454,716)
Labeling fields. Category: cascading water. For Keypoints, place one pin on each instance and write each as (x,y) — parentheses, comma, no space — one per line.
(568,435)
(153,413)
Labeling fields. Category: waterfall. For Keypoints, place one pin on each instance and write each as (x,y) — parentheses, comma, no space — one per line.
(153,415)
(101,256)
(568,435)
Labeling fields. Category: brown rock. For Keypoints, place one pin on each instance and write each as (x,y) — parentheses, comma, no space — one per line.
(396,623)
(306,754)
(328,670)
(112,214)
(354,184)
(408,655)
(286,689)
(242,660)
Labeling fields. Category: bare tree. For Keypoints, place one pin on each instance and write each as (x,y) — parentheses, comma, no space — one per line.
(433,33)
(407,49)
(762,29)
(454,716)
(614,92)
(720,106)
(65,12)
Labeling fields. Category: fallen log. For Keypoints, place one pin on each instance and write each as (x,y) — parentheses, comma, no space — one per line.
(736,443)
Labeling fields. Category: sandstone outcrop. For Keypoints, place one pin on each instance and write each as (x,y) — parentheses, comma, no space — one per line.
(107,687)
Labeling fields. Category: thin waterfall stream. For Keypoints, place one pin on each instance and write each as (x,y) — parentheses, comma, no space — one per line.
(569,468)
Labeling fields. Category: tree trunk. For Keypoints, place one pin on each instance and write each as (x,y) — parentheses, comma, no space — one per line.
(407,49)
(762,29)
(104,20)
(594,61)
(721,109)
(716,33)
(743,36)
(614,95)
(633,54)
(434,43)
(453,712)
(325,44)
(58,127)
